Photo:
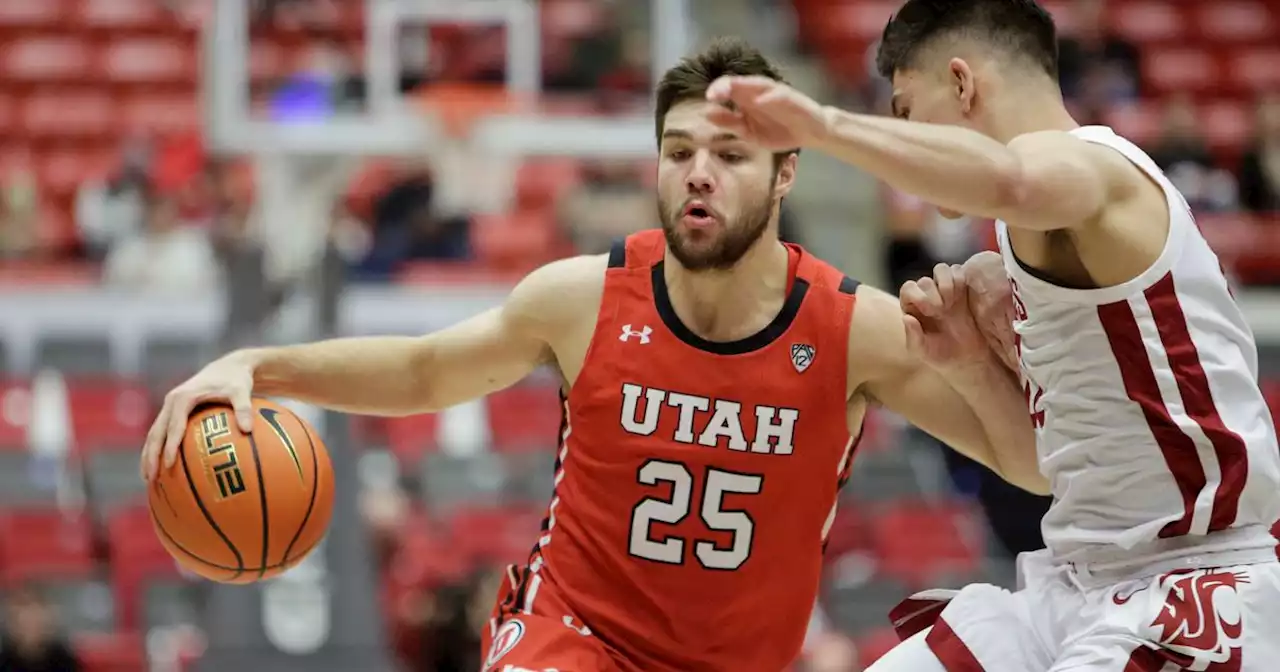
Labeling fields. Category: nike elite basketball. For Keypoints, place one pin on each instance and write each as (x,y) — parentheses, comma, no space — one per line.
(239,508)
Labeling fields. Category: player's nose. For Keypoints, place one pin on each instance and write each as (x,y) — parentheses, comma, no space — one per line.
(700,179)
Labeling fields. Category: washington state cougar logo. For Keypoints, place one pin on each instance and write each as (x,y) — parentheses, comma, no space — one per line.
(1202,618)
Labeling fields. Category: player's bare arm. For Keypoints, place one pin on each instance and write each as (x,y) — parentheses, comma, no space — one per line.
(548,315)
(1041,181)
(972,403)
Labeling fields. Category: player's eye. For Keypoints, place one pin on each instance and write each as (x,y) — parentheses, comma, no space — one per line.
(731,157)
(678,154)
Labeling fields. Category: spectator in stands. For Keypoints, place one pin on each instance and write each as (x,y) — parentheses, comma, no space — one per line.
(19,212)
(608,204)
(165,256)
(19,209)
(1260,165)
(30,642)
(1095,66)
(407,227)
(110,209)
(1183,155)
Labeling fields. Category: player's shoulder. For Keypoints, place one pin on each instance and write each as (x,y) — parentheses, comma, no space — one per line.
(563,281)
(1113,156)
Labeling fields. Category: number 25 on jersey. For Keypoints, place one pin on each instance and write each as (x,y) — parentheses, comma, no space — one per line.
(671,549)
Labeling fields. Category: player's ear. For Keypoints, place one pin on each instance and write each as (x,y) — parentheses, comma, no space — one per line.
(784,175)
(962,84)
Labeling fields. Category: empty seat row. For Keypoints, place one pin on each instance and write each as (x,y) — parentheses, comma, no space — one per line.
(1162,21)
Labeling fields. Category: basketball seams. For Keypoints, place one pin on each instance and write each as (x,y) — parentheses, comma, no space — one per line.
(204,510)
(309,511)
(262,498)
(315,490)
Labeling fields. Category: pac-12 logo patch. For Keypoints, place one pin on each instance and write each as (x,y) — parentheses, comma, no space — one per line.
(801,356)
(504,640)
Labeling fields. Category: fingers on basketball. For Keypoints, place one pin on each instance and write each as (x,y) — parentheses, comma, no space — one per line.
(242,507)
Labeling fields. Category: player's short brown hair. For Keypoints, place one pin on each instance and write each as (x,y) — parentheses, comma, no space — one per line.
(691,77)
(1020,28)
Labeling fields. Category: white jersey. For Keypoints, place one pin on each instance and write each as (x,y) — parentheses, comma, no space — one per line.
(1149,421)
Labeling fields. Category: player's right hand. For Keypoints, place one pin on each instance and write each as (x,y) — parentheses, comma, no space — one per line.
(226,380)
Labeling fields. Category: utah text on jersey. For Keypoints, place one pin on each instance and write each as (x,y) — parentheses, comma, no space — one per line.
(706,422)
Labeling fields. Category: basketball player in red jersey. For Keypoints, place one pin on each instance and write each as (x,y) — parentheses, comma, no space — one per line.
(1139,369)
(715,381)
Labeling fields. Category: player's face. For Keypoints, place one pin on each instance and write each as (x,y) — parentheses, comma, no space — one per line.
(716,192)
(935,97)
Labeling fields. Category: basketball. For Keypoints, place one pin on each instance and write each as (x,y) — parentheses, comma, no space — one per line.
(239,508)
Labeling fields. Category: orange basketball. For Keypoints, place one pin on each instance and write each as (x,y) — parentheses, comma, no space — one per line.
(240,508)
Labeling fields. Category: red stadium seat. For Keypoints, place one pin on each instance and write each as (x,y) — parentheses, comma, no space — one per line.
(426,558)
(409,438)
(1226,124)
(1063,17)
(29,15)
(267,60)
(525,418)
(40,544)
(1180,69)
(46,59)
(495,536)
(70,114)
(873,645)
(109,412)
(163,114)
(570,18)
(1148,21)
(1138,122)
(117,16)
(136,557)
(63,171)
(515,240)
(114,652)
(541,182)
(1234,21)
(148,60)
(919,542)
(1256,69)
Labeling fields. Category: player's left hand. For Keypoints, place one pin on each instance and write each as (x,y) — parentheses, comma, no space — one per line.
(768,112)
(991,302)
(940,327)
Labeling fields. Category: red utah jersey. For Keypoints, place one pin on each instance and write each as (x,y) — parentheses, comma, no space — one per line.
(696,480)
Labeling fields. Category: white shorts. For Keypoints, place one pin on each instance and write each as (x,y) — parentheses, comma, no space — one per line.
(1205,620)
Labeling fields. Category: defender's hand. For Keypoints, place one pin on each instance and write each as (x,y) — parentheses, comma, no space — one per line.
(767,111)
(227,380)
(940,327)
(991,301)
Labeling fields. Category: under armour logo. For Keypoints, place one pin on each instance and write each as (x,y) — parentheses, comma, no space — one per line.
(643,334)
(801,356)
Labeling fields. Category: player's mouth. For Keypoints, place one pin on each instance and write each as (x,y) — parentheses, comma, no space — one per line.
(698,215)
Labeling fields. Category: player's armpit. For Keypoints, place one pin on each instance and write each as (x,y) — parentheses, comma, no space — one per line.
(1063,182)
(982,414)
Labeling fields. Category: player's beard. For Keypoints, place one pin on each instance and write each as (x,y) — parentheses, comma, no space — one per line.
(731,242)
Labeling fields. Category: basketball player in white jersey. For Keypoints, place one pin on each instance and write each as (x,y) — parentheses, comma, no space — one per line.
(1139,369)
